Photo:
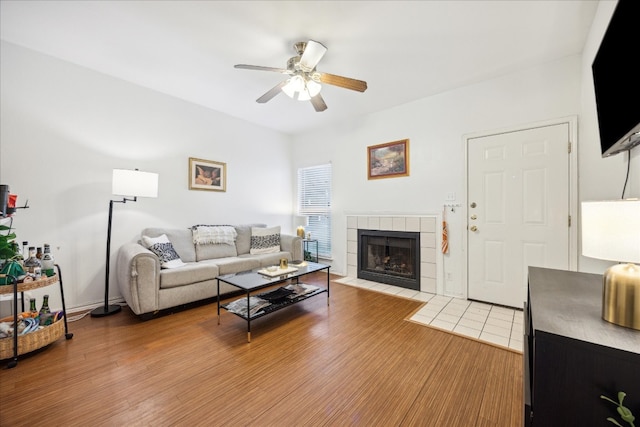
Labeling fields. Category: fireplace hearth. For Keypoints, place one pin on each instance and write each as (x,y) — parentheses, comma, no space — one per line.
(391,257)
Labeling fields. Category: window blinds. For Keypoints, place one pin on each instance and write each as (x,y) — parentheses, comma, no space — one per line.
(314,201)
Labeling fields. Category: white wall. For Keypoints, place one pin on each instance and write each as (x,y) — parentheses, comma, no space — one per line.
(600,179)
(436,127)
(64,128)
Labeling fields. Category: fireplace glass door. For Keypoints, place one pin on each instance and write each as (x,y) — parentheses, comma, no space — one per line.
(390,257)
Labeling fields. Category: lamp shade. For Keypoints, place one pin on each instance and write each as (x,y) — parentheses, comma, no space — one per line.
(301,88)
(313,87)
(294,86)
(611,230)
(134,183)
(301,221)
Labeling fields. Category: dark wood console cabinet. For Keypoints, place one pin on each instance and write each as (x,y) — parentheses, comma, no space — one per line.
(572,356)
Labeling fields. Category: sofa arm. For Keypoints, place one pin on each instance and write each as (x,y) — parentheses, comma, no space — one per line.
(138,276)
(293,245)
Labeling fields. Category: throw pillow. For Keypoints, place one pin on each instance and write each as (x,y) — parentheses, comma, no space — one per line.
(213,235)
(162,247)
(265,240)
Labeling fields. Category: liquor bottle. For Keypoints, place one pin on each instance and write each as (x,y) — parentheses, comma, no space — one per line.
(32,265)
(32,307)
(47,261)
(44,310)
(18,254)
(39,253)
(25,250)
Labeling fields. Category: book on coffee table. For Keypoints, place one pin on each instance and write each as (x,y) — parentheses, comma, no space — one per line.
(278,271)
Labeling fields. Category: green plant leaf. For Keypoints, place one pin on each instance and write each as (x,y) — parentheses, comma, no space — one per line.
(606,398)
(625,414)
(612,420)
(621,396)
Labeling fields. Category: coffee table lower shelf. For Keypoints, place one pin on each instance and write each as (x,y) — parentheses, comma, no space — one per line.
(251,281)
(273,307)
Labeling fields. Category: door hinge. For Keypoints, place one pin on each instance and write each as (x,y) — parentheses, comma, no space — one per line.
(569,220)
(569,147)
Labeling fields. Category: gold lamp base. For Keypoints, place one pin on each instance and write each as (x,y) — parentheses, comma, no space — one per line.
(300,231)
(621,295)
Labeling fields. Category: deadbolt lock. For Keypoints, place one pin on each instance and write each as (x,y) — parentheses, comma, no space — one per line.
(473,204)
(473,228)
(474,216)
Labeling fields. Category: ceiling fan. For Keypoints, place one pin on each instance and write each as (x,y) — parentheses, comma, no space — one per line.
(304,82)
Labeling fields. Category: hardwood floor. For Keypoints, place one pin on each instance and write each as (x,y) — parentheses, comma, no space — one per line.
(356,362)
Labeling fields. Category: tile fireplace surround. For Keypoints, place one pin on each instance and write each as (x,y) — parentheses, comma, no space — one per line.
(430,258)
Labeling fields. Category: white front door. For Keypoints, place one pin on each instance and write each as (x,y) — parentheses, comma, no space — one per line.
(518,210)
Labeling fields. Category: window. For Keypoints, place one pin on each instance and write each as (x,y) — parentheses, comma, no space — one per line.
(314,201)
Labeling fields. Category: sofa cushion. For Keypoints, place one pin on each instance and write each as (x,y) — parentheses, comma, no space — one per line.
(243,240)
(189,274)
(205,252)
(265,240)
(266,260)
(162,247)
(214,241)
(235,264)
(181,239)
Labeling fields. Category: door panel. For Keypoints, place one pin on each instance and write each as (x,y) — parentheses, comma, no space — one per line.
(519,182)
(494,198)
(494,265)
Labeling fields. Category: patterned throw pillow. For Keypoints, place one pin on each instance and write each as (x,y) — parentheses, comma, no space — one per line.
(265,240)
(162,247)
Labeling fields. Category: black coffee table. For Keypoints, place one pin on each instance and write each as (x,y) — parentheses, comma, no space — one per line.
(252,280)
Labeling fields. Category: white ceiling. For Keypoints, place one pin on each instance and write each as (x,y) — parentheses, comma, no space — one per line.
(405,50)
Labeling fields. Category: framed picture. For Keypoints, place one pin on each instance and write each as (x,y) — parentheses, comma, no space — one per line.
(207,175)
(388,160)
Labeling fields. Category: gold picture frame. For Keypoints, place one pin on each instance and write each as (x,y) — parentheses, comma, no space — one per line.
(389,160)
(207,175)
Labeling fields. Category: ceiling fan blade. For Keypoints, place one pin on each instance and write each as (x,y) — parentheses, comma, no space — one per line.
(312,54)
(272,92)
(261,68)
(345,82)
(318,103)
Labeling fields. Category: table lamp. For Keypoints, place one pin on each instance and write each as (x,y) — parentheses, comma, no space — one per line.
(126,183)
(301,222)
(611,231)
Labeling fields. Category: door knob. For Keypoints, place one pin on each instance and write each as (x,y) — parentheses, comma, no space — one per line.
(473,228)
(473,204)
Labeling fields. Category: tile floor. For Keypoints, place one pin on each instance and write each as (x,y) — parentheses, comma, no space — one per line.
(497,325)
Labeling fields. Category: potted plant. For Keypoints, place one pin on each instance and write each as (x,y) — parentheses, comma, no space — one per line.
(9,255)
(623,411)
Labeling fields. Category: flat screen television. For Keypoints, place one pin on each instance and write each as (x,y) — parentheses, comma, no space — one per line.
(616,78)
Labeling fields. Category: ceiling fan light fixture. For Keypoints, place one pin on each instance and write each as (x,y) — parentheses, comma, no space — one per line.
(301,89)
(313,87)
(294,86)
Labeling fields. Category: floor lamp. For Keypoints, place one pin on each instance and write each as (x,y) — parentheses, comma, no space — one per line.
(130,184)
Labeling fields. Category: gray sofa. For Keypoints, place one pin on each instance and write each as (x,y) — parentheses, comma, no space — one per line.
(147,288)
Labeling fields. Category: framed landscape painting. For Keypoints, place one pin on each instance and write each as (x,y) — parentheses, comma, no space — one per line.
(388,160)
(207,175)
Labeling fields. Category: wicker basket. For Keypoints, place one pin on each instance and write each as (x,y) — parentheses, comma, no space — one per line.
(32,340)
(22,287)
